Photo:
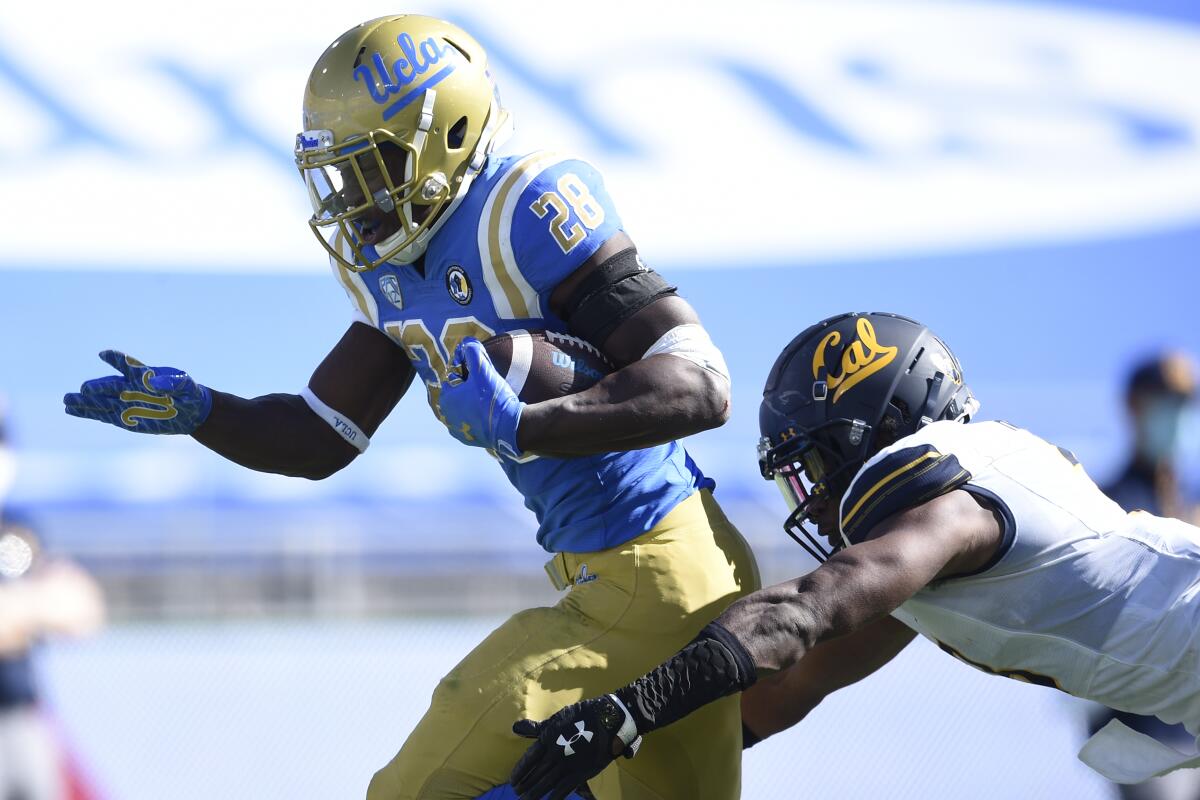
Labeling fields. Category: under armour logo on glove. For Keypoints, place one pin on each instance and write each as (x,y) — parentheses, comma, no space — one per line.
(565,743)
(596,731)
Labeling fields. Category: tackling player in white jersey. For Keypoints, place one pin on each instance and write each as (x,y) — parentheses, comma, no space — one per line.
(981,537)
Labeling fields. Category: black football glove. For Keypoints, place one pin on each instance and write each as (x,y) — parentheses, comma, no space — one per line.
(575,744)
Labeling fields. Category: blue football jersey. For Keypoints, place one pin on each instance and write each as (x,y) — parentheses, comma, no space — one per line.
(526,223)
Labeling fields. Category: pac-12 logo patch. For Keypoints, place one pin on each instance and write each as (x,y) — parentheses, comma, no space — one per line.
(458,286)
(390,287)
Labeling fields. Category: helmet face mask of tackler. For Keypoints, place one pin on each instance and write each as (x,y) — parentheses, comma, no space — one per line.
(400,115)
(839,392)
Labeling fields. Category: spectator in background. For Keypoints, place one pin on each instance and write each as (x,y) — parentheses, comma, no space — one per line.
(1157,395)
(39,596)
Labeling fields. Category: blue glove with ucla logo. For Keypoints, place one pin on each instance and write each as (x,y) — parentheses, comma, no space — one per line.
(479,406)
(142,399)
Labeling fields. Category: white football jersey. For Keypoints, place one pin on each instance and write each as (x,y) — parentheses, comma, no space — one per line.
(1101,604)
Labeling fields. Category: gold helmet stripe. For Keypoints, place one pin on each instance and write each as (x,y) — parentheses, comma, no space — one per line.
(511,294)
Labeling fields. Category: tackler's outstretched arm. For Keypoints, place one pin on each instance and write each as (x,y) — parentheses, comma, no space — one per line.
(765,633)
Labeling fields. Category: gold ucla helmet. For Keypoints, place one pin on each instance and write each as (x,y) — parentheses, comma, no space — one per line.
(400,114)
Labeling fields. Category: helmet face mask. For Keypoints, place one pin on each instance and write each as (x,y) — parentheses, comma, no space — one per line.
(400,114)
(840,392)
(353,187)
(810,474)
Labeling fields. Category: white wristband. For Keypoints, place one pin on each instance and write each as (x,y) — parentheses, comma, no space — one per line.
(628,732)
(345,428)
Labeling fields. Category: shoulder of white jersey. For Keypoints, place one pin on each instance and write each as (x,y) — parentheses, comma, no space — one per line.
(366,310)
(909,472)
(515,287)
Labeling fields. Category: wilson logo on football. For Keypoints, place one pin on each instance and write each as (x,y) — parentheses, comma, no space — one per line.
(861,359)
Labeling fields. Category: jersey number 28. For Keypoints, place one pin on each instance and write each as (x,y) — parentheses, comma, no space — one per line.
(572,195)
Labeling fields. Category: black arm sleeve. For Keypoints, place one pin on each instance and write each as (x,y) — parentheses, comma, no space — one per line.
(611,294)
(712,666)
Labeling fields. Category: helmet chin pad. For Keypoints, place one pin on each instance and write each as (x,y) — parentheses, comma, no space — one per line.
(415,248)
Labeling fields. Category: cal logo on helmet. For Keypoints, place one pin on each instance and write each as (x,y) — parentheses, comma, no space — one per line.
(861,358)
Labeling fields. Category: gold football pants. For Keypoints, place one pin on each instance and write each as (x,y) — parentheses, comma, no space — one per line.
(628,609)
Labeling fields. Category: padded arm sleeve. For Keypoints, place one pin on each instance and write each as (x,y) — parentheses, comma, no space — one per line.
(712,666)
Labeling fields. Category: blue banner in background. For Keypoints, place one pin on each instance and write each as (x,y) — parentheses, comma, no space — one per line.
(1023,177)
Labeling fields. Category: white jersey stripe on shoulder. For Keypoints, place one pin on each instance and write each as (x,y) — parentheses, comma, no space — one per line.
(354,285)
(511,293)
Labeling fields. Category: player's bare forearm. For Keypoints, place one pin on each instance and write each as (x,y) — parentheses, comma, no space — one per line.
(766,632)
(276,433)
(777,702)
(774,628)
(646,403)
(362,377)
(859,585)
(779,624)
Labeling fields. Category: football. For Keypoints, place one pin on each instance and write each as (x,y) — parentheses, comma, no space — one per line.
(541,365)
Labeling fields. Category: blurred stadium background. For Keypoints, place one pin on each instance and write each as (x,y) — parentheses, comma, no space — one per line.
(1024,177)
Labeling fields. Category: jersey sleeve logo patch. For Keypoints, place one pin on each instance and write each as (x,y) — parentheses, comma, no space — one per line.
(861,359)
(390,286)
(458,286)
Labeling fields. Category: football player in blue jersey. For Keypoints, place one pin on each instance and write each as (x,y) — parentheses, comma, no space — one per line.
(981,537)
(441,242)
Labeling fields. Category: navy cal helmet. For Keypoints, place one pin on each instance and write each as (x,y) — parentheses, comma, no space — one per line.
(839,392)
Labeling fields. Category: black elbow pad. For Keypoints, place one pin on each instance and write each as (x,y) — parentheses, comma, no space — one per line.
(612,293)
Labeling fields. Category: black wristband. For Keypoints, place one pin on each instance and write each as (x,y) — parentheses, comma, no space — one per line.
(712,666)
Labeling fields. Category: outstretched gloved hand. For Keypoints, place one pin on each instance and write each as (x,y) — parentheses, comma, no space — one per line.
(142,399)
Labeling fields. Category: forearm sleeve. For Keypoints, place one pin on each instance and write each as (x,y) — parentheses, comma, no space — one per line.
(712,666)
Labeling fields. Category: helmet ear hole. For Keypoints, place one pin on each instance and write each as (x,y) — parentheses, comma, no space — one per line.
(456,134)
(462,50)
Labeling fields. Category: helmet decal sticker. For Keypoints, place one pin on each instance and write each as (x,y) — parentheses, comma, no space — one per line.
(415,63)
(861,359)
(390,286)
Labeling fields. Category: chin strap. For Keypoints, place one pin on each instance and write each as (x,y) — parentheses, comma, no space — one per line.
(498,129)
(931,397)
